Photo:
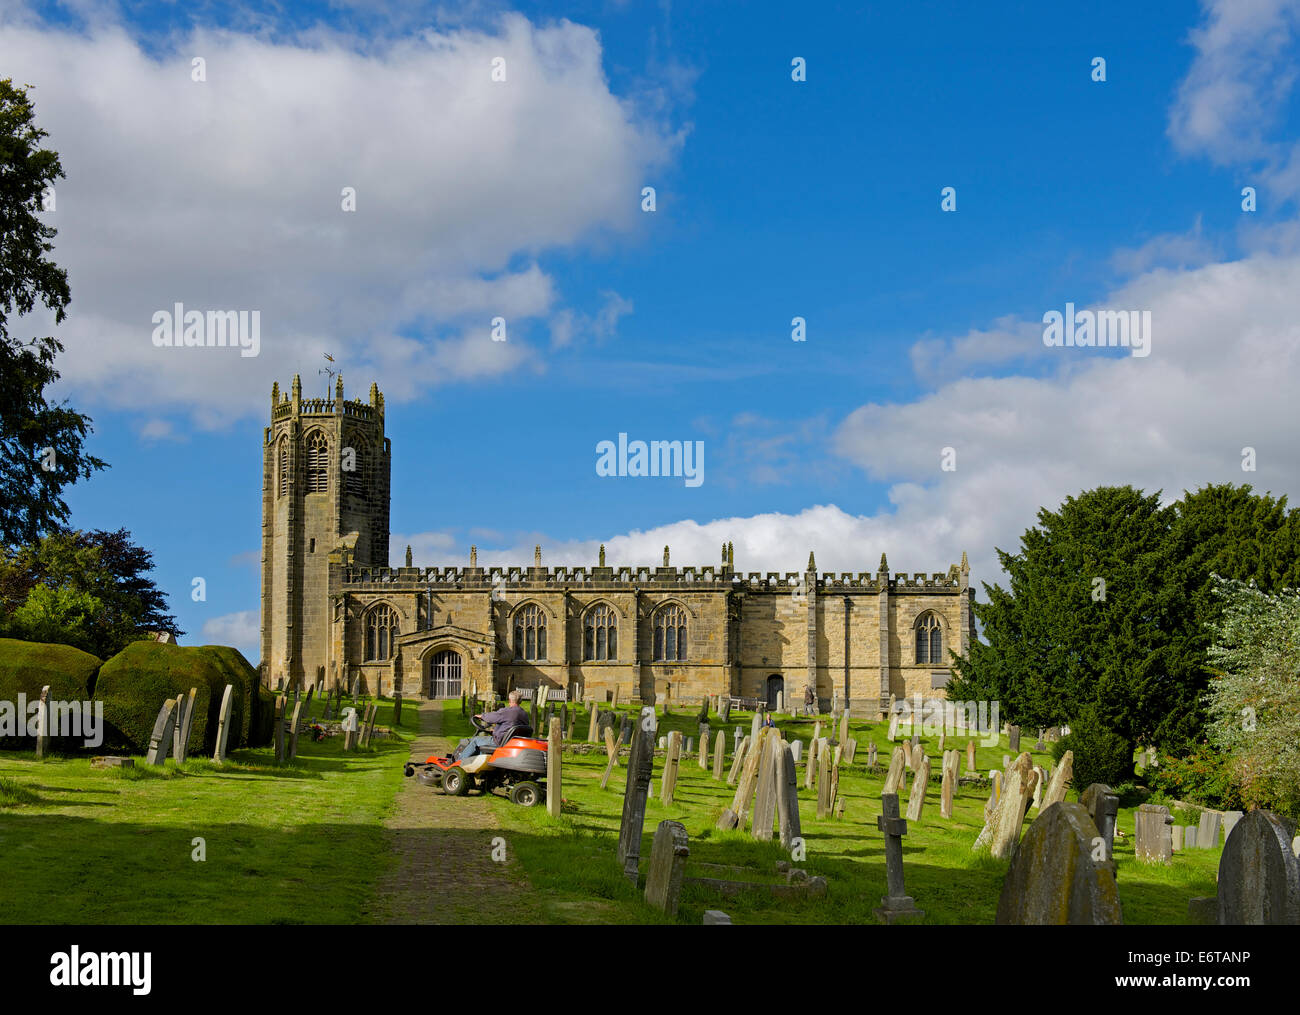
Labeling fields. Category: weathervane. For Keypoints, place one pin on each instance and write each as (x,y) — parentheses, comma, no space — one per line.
(329,376)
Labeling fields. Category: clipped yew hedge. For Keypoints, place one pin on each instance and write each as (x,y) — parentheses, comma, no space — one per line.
(134,684)
(27,666)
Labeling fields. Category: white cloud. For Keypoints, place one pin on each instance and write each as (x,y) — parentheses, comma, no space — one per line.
(225,194)
(240,630)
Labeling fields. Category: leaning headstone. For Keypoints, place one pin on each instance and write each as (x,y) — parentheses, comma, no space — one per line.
(724,708)
(895,775)
(771,770)
(164,728)
(716,918)
(1053,879)
(1002,829)
(668,853)
(1207,835)
(639,771)
(738,760)
(611,756)
(893,728)
(970,758)
(1060,782)
(184,726)
(554,754)
(1153,840)
(823,780)
(810,765)
(719,753)
(369,733)
(223,725)
(293,731)
(844,727)
(916,802)
(591,726)
(787,801)
(897,903)
(755,725)
(740,803)
(1259,874)
(672,760)
(349,726)
(918,754)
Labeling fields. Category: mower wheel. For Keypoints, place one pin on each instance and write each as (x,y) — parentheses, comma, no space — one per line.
(525,794)
(456,782)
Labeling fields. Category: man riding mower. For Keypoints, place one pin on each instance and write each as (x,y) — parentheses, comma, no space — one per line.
(508,757)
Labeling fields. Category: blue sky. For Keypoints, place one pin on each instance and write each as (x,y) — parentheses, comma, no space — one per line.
(775,199)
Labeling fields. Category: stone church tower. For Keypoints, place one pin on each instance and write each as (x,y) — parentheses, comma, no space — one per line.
(325,482)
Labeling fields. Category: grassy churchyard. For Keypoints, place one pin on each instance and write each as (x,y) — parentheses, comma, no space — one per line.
(306,843)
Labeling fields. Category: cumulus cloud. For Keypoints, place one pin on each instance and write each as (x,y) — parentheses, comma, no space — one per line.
(227,193)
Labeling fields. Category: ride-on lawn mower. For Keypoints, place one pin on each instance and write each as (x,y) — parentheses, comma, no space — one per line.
(519,765)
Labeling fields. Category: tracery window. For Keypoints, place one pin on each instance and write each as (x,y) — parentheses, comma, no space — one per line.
(530,633)
(381,630)
(600,634)
(670,635)
(929,640)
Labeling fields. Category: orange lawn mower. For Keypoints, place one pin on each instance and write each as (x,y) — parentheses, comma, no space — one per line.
(518,766)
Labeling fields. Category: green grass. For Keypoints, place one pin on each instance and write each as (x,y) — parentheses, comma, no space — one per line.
(571,858)
(300,843)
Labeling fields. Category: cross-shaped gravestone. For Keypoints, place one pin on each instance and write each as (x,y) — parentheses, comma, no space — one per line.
(897,903)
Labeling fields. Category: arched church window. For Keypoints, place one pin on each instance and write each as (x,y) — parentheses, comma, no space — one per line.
(670,635)
(530,633)
(600,634)
(381,630)
(929,640)
(318,463)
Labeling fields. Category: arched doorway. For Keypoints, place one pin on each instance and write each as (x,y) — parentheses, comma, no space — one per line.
(444,677)
(775,685)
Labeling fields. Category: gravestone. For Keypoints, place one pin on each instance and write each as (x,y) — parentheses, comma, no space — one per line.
(893,728)
(1060,781)
(1259,874)
(916,802)
(184,726)
(1039,786)
(349,727)
(787,801)
(293,731)
(1053,879)
(897,903)
(1102,805)
(668,853)
(43,720)
(850,750)
(1013,739)
(1002,828)
(668,784)
(1189,837)
(1230,819)
(949,784)
(970,758)
(368,727)
(844,727)
(719,754)
(918,755)
(663,743)
(895,775)
(797,747)
(223,725)
(279,728)
(724,708)
(737,737)
(734,816)
(716,918)
(771,770)
(690,745)
(611,757)
(1006,760)
(737,760)
(1153,840)
(704,747)
(592,732)
(160,740)
(755,725)
(871,755)
(823,780)
(1207,835)
(554,754)
(1176,838)
(810,765)
(639,771)
(397,708)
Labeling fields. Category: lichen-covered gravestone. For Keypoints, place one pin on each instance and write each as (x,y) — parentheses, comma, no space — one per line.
(916,802)
(719,754)
(668,853)
(1102,805)
(949,784)
(787,801)
(1003,824)
(770,771)
(1259,874)
(1207,833)
(1153,834)
(1053,879)
(160,740)
(895,775)
(223,725)
(1060,781)
(672,761)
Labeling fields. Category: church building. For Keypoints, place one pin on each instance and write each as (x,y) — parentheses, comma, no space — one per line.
(334,611)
